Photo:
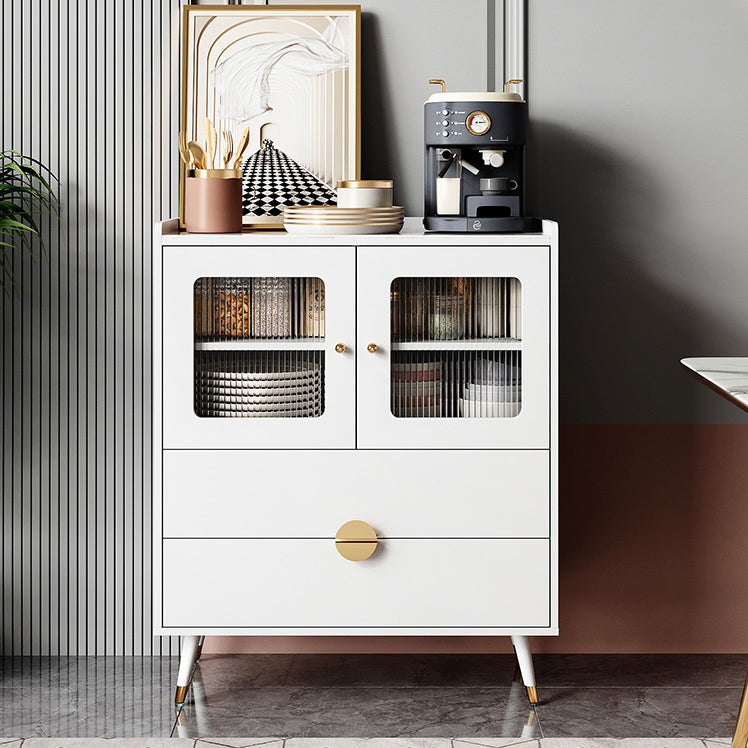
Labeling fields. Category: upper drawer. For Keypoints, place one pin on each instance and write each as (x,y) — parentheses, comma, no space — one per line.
(311,493)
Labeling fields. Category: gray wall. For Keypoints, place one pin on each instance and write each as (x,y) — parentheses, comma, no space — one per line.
(639,148)
(406,44)
(91,88)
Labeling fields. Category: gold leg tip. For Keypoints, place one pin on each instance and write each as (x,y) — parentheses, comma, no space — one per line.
(180,695)
(532,694)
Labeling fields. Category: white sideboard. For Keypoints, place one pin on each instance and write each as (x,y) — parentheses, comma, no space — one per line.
(389,398)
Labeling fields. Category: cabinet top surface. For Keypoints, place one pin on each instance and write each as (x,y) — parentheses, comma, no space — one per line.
(412,234)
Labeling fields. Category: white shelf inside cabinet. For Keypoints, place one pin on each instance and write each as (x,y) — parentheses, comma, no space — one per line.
(503,344)
(266,344)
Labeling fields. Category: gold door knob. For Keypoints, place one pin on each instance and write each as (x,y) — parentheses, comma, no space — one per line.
(356,540)
(372,347)
(340,348)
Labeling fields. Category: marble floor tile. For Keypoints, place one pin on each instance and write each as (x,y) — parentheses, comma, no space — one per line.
(638,712)
(107,743)
(641,671)
(354,712)
(621,743)
(717,742)
(494,743)
(346,671)
(239,742)
(368,743)
(372,696)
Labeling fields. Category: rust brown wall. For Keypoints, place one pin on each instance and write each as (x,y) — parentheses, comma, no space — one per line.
(653,555)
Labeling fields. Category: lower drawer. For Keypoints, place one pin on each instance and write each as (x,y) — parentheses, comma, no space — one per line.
(401,493)
(418,583)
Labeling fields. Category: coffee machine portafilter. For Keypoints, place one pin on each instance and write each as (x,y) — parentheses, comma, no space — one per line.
(474,162)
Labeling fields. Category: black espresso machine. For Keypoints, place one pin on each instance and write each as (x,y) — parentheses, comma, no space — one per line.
(474,171)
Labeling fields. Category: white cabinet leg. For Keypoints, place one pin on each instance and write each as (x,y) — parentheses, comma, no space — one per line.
(524,660)
(199,649)
(190,646)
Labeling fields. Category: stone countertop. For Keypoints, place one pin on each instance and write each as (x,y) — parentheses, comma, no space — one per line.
(728,376)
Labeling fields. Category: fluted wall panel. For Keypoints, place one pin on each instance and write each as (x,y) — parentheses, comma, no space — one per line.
(90,88)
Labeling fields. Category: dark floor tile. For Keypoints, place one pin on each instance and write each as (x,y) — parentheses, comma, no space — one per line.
(373,696)
(643,671)
(29,711)
(351,671)
(638,712)
(101,673)
(356,712)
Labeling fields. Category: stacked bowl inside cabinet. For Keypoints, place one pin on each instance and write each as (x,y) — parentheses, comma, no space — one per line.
(493,390)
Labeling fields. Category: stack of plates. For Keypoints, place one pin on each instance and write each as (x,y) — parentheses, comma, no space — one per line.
(416,390)
(329,220)
(291,390)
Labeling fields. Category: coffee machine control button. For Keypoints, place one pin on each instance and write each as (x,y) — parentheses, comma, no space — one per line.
(444,133)
(445,112)
(445,123)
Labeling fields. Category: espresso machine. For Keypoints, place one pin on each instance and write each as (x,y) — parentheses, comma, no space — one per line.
(474,161)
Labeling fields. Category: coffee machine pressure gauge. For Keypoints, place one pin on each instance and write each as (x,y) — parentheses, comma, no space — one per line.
(478,123)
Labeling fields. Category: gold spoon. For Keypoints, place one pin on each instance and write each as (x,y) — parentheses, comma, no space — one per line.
(198,154)
(240,148)
(183,152)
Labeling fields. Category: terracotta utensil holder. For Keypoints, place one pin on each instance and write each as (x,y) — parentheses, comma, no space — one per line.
(213,201)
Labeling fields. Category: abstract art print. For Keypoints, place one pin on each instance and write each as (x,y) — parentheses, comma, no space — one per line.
(288,73)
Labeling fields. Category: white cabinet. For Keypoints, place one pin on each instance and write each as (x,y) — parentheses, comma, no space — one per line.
(407,382)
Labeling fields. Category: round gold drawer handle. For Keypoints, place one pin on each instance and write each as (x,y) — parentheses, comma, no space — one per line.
(340,348)
(372,347)
(356,540)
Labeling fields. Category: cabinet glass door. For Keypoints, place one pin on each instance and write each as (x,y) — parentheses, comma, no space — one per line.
(236,376)
(247,359)
(455,359)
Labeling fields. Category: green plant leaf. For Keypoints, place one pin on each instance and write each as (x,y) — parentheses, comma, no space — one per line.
(28,196)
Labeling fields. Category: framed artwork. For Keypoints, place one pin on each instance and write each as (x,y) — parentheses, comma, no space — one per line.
(289,73)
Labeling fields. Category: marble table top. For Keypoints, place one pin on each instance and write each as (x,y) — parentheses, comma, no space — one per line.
(727,376)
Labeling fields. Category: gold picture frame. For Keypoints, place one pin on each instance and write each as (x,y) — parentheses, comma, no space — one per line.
(291,73)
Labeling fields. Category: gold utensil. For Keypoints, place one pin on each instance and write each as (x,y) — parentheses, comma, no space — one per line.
(211,140)
(228,148)
(183,152)
(240,148)
(198,154)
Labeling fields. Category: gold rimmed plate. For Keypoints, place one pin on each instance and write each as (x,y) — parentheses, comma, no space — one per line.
(329,212)
(328,229)
(338,221)
(328,208)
